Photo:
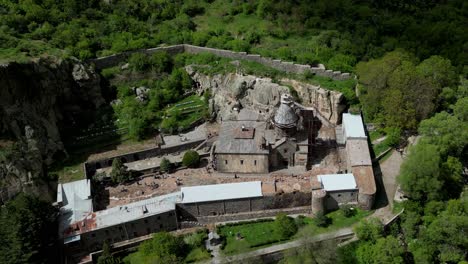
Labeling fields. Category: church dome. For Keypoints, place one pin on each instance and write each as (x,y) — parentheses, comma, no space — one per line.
(285,116)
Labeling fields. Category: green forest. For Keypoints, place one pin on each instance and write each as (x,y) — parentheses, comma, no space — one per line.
(410,59)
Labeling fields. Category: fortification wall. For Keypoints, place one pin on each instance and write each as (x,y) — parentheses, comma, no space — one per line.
(290,67)
(91,166)
(229,209)
(252,215)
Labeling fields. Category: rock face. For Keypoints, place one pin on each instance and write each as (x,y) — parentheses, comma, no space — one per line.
(36,100)
(232,92)
(330,104)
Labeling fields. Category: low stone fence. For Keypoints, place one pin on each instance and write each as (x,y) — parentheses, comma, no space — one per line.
(286,66)
(90,167)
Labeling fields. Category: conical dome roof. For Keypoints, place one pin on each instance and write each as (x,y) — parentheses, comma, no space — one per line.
(285,116)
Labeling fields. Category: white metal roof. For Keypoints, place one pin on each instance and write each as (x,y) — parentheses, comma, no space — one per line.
(136,210)
(353,126)
(76,202)
(217,192)
(336,182)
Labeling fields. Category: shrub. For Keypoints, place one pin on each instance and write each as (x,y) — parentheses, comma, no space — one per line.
(300,221)
(165,165)
(321,220)
(191,159)
(285,226)
(348,210)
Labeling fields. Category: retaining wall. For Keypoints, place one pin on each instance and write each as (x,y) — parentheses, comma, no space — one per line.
(91,166)
(290,67)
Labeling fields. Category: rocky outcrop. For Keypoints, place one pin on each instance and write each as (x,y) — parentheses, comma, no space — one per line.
(232,92)
(44,95)
(330,104)
(37,99)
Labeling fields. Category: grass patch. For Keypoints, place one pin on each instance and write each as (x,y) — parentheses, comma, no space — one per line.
(380,148)
(195,244)
(397,207)
(70,169)
(338,220)
(376,134)
(253,235)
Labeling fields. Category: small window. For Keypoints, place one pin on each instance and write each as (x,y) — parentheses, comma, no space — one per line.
(242,162)
(106,231)
(225,162)
(120,228)
(171,214)
(148,231)
(352,194)
(160,225)
(285,150)
(93,235)
(255,162)
(339,195)
(146,221)
(159,218)
(135,234)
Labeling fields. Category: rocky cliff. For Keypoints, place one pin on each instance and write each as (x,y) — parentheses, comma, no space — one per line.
(330,104)
(232,91)
(36,100)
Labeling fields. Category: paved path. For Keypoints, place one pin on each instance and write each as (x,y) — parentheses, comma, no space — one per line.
(386,179)
(344,232)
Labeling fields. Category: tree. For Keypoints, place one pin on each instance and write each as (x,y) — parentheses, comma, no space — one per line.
(165,165)
(348,210)
(119,172)
(139,62)
(285,226)
(27,231)
(162,248)
(321,220)
(419,175)
(369,230)
(106,256)
(386,251)
(191,159)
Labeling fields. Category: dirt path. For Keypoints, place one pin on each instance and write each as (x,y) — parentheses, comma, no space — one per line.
(386,179)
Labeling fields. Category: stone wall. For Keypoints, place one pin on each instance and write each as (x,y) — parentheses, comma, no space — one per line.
(114,60)
(242,163)
(92,166)
(93,240)
(245,207)
(334,199)
(252,215)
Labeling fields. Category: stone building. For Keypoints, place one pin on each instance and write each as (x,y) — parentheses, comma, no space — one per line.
(325,196)
(246,146)
(219,199)
(83,230)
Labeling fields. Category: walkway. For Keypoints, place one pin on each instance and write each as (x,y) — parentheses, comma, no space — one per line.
(340,233)
(386,178)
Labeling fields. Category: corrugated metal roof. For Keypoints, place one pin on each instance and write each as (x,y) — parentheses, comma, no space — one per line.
(337,182)
(218,192)
(353,126)
(136,210)
(77,203)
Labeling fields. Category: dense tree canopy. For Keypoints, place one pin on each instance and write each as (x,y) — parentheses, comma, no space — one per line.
(28,231)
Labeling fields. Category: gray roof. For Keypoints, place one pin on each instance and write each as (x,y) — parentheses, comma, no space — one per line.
(353,126)
(76,202)
(136,210)
(358,152)
(285,116)
(337,182)
(219,192)
(228,143)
